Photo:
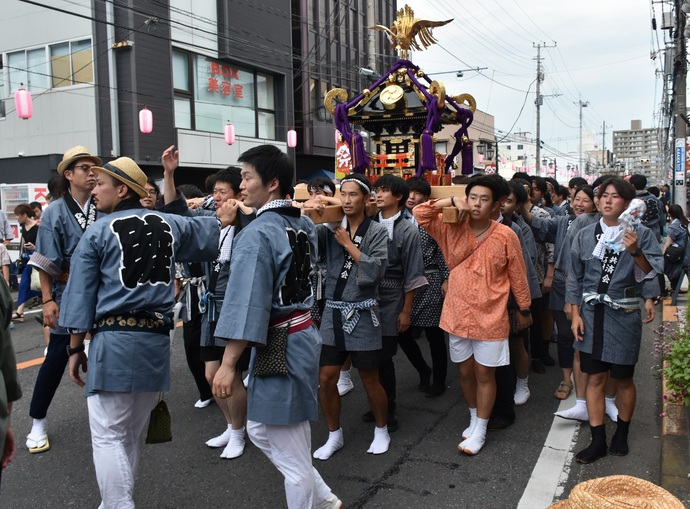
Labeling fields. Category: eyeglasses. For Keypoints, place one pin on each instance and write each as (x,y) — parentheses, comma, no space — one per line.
(84,167)
(152,192)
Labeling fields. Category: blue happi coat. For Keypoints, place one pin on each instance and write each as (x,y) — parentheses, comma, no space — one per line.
(125,262)
(269,279)
(58,236)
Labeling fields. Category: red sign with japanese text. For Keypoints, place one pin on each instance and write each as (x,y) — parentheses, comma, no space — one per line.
(220,80)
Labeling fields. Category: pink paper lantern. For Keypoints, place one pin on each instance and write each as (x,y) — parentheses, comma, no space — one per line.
(514,166)
(145,120)
(480,158)
(503,160)
(22,102)
(292,138)
(229,134)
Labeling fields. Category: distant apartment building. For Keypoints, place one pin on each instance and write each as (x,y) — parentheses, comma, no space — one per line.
(637,151)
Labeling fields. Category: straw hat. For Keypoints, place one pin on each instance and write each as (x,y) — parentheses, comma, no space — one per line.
(74,154)
(618,492)
(126,171)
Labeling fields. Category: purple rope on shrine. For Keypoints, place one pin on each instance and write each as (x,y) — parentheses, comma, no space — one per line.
(462,141)
(467,159)
(427,159)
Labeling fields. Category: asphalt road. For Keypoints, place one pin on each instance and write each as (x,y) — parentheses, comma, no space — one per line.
(422,468)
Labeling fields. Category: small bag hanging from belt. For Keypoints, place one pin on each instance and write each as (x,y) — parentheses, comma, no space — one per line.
(271,359)
(160,423)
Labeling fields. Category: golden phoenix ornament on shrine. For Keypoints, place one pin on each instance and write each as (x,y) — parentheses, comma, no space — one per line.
(407,29)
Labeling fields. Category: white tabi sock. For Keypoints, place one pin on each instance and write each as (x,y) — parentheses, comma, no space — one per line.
(235,447)
(473,421)
(576,413)
(221,440)
(38,428)
(522,392)
(382,441)
(334,443)
(476,440)
(611,408)
(345,384)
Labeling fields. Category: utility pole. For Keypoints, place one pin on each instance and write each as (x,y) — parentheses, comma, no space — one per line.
(603,143)
(371,36)
(583,104)
(604,159)
(539,100)
(680,70)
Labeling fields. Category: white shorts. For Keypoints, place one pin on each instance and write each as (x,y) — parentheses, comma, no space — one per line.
(487,353)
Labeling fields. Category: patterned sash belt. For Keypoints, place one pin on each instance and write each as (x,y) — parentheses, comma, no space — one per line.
(142,321)
(350,312)
(391,283)
(296,321)
(629,304)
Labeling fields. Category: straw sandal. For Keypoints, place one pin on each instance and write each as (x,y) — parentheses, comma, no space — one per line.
(17,317)
(37,444)
(563,391)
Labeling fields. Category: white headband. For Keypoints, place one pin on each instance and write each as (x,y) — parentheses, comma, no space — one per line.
(346,179)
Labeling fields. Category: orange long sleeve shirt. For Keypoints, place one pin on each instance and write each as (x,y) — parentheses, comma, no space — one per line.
(476,305)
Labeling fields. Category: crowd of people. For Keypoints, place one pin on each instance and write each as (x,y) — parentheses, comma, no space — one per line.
(491,276)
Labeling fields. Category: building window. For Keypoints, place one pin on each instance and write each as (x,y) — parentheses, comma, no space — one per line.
(28,69)
(215,93)
(184,104)
(55,66)
(520,147)
(71,63)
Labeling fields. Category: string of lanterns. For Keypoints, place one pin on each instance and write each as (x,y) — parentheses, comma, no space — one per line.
(24,107)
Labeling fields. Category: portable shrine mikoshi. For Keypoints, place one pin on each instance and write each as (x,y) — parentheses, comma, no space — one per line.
(402,111)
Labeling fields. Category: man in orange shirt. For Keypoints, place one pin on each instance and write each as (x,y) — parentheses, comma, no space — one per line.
(486,264)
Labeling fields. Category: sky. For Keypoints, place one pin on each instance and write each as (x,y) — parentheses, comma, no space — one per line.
(602,56)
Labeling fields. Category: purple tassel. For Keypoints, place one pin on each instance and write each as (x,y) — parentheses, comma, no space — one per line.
(427,157)
(360,160)
(456,149)
(467,158)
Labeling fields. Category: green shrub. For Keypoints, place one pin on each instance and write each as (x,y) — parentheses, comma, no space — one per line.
(672,344)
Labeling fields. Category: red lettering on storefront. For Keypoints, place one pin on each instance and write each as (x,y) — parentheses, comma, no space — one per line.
(238,91)
(40,194)
(226,88)
(213,85)
(225,70)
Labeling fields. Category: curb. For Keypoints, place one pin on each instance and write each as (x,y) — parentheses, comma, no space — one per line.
(675,447)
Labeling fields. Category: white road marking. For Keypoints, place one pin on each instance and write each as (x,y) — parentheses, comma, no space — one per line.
(553,466)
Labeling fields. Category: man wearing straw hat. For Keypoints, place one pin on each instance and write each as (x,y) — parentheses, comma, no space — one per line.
(62,225)
(121,288)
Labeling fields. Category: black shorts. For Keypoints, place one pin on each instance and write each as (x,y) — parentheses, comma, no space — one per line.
(215,353)
(331,356)
(592,367)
